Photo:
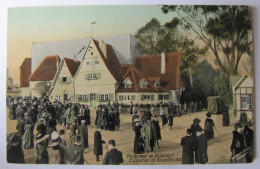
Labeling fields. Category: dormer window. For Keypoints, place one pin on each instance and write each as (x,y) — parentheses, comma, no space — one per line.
(128,83)
(157,84)
(143,83)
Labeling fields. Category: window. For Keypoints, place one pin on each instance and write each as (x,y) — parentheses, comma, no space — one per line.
(91,53)
(166,97)
(128,85)
(246,101)
(157,84)
(160,97)
(128,97)
(104,97)
(145,97)
(96,62)
(92,76)
(71,98)
(92,96)
(64,80)
(58,98)
(143,85)
(82,97)
(163,97)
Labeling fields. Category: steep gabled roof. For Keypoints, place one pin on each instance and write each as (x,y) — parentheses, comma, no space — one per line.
(25,72)
(111,61)
(46,70)
(136,77)
(150,66)
(72,65)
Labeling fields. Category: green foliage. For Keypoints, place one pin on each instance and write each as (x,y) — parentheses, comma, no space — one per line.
(222,87)
(205,75)
(155,38)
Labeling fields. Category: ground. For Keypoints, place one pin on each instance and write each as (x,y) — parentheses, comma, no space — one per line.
(170,150)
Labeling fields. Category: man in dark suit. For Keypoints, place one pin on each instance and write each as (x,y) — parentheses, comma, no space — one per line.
(98,149)
(113,156)
(188,143)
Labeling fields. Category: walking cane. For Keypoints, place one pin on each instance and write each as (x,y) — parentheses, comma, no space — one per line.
(106,147)
(216,130)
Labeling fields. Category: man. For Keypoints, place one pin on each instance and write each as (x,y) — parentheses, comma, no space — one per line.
(75,152)
(201,155)
(98,149)
(83,132)
(113,156)
(149,135)
(188,143)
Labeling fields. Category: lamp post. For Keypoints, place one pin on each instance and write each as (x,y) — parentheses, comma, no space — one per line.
(92,23)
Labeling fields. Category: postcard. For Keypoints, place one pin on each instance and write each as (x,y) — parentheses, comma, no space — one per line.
(130,85)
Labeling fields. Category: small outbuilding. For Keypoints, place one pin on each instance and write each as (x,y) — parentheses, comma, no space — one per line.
(243,98)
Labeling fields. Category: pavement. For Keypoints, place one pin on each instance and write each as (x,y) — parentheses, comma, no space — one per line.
(170,150)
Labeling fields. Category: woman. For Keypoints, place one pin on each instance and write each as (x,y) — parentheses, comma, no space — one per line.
(41,146)
(28,135)
(138,141)
(208,128)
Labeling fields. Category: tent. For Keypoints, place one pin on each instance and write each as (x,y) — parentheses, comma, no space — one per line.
(215,104)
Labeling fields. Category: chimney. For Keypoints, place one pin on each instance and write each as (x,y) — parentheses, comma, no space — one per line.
(103,47)
(162,63)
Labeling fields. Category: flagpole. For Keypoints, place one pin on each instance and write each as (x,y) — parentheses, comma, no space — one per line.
(92,23)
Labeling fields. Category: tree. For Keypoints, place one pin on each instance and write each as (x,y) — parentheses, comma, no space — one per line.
(225,30)
(156,38)
(222,87)
(42,87)
(147,36)
(205,75)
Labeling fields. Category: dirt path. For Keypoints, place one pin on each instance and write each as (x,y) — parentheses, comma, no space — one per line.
(170,150)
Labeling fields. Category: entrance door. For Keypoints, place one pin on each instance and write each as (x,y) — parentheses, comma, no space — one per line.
(93,99)
(65,97)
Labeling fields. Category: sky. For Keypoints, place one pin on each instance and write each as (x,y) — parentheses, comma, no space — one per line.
(27,25)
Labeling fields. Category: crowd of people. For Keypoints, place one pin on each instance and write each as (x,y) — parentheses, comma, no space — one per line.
(43,116)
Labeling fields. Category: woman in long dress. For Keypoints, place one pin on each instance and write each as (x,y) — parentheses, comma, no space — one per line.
(28,135)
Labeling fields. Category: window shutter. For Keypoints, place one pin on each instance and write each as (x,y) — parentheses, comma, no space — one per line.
(142,97)
(98,75)
(97,97)
(86,76)
(121,98)
(70,79)
(152,97)
(88,97)
(76,98)
(111,97)
(59,80)
(132,97)
(87,63)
